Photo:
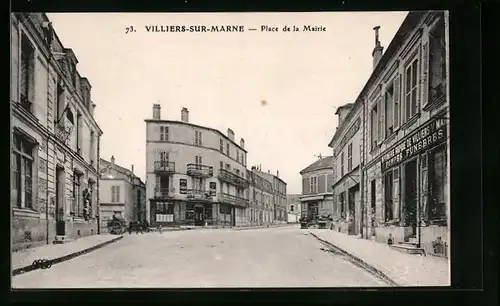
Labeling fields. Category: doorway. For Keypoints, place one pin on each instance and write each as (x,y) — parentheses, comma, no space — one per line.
(373,207)
(59,203)
(199,216)
(411,200)
(351,206)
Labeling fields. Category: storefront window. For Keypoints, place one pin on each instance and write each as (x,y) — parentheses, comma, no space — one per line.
(388,196)
(437,181)
(190,211)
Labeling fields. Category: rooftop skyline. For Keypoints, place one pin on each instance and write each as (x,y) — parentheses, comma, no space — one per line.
(223,79)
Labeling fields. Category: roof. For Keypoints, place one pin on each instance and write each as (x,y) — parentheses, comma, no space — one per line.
(196,126)
(323,163)
(348,105)
(409,23)
(122,170)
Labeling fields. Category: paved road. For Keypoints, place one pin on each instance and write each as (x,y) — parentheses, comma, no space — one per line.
(276,257)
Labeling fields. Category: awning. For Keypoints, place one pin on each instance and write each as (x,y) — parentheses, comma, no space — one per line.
(311,198)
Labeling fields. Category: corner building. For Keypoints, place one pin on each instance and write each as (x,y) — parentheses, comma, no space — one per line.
(317,195)
(196,175)
(55,138)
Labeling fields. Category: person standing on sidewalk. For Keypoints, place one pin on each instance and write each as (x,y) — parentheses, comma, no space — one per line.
(159,228)
(139,228)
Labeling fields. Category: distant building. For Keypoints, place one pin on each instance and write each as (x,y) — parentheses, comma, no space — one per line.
(196,175)
(54,137)
(121,192)
(293,208)
(279,194)
(317,195)
(261,210)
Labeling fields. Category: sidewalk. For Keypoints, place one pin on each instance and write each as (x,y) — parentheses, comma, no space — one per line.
(26,257)
(403,269)
(264,226)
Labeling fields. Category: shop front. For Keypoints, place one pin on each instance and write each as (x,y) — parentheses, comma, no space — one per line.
(414,189)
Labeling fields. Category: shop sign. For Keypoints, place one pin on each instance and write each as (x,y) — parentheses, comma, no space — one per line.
(422,139)
(183,186)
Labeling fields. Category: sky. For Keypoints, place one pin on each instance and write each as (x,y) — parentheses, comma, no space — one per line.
(223,77)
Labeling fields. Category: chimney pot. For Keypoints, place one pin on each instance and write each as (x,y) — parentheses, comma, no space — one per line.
(242,143)
(185,115)
(230,134)
(132,168)
(378,50)
(156,111)
(112,159)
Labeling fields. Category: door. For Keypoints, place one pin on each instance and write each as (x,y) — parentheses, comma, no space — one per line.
(199,216)
(352,211)
(411,198)
(373,207)
(60,226)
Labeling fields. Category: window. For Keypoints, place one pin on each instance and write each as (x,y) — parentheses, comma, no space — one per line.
(221,145)
(349,157)
(189,211)
(197,138)
(411,88)
(164,157)
(77,208)
(227,149)
(22,166)
(291,208)
(342,204)
(342,163)
(314,184)
(27,85)
(238,156)
(115,194)
(374,127)
(198,162)
(164,133)
(437,62)
(221,165)
(228,167)
(91,150)
(389,110)
(79,133)
(60,101)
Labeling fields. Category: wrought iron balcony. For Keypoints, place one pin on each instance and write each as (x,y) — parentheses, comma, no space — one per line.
(198,170)
(199,195)
(162,166)
(233,200)
(164,193)
(62,132)
(233,179)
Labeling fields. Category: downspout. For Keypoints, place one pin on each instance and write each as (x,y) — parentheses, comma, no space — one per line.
(47,153)
(98,211)
(362,167)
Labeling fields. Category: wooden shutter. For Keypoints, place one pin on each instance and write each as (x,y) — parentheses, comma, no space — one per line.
(424,174)
(112,193)
(380,113)
(305,186)
(425,72)
(329,183)
(14,80)
(321,184)
(397,101)
(396,193)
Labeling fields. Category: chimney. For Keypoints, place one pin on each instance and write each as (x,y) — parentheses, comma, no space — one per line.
(342,112)
(132,168)
(92,109)
(254,168)
(112,160)
(230,134)
(378,50)
(184,115)
(156,111)
(277,173)
(269,171)
(260,167)
(242,143)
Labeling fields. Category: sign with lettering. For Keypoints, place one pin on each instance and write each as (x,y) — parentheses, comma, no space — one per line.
(183,186)
(422,139)
(213,188)
(350,133)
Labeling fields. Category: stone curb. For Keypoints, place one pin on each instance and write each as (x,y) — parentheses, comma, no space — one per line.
(359,262)
(261,227)
(47,263)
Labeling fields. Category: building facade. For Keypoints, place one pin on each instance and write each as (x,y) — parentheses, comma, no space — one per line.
(55,138)
(346,144)
(293,208)
(405,126)
(261,210)
(195,175)
(278,200)
(317,194)
(121,193)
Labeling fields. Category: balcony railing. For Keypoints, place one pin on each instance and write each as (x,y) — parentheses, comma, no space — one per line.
(198,170)
(164,166)
(233,200)
(233,179)
(199,195)
(163,193)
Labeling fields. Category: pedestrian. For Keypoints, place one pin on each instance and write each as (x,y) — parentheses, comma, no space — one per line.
(130,228)
(139,228)
(159,228)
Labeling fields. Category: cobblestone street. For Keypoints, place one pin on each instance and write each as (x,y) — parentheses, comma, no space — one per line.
(274,257)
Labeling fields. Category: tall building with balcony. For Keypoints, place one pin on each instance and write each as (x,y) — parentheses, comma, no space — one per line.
(261,210)
(55,138)
(121,193)
(278,200)
(317,195)
(346,144)
(196,175)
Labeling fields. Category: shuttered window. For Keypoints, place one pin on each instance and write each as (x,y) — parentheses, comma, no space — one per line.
(305,186)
